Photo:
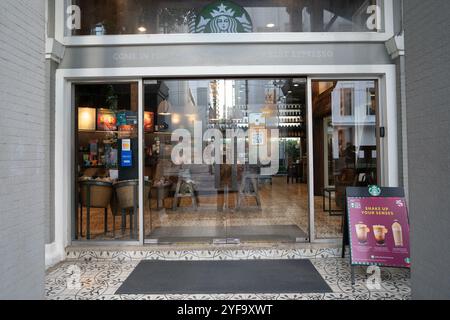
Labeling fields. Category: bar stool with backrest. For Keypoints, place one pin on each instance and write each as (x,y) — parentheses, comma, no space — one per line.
(95,194)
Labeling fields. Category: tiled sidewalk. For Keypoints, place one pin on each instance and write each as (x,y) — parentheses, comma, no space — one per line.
(102,273)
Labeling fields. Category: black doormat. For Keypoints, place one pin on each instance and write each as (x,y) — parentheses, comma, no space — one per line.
(224,277)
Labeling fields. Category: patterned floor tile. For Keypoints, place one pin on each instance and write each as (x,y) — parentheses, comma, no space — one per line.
(98,278)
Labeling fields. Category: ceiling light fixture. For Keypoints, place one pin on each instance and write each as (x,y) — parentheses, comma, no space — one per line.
(270,25)
(164,108)
(142,29)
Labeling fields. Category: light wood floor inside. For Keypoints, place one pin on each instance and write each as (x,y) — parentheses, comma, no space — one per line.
(282,204)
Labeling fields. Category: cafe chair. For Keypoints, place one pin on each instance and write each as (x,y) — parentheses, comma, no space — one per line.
(294,173)
(126,203)
(94,194)
(345,179)
(159,192)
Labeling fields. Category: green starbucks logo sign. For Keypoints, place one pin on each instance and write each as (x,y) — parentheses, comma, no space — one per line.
(374,191)
(223,17)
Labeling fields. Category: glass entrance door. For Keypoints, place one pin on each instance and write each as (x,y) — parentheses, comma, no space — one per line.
(345,146)
(225,160)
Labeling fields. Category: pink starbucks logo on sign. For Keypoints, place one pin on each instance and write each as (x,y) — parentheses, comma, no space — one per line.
(379,231)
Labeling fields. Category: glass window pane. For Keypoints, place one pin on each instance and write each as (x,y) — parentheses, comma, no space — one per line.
(106,144)
(345,147)
(114,17)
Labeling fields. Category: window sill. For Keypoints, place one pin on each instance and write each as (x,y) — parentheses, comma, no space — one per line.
(249,38)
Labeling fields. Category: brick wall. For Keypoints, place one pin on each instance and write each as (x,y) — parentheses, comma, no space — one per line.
(24,149)
(427,44)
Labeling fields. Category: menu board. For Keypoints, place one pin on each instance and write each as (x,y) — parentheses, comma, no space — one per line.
(378,227)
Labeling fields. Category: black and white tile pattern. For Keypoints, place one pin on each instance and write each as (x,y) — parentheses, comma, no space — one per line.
(97,275)
(213,254)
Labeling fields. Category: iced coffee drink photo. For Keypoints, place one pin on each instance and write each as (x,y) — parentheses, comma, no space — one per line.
(380,232)
(361,232)
(398,234)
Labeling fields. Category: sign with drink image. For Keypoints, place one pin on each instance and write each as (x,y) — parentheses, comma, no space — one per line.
(378,228)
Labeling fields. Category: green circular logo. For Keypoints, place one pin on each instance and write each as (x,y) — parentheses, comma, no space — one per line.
(223,17)
(374,191)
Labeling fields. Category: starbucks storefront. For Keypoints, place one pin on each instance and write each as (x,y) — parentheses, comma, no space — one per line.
(220,122)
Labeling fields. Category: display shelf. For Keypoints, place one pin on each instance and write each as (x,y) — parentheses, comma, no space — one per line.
(99,131)
(158,133)
(96,167)
(104,132)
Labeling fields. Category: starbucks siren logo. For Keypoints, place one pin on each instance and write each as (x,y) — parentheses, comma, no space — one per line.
(375,191)
(223,17)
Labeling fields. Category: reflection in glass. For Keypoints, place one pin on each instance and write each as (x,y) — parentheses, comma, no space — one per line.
(226,160)
(345,146)
(110,17)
